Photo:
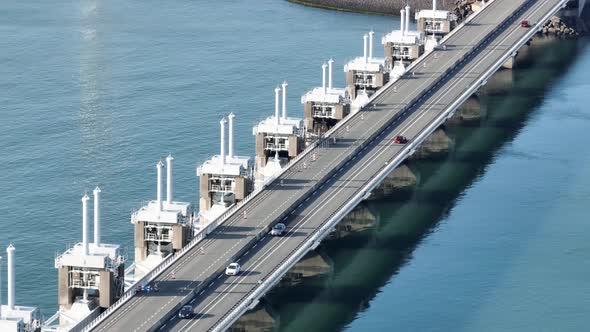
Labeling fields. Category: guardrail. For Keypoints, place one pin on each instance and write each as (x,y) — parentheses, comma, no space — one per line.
(319,234)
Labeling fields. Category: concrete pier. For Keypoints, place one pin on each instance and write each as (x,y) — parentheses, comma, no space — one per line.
(439,142)
(471,111)
(312,265)
(358,220)
(401,178)
(259,319)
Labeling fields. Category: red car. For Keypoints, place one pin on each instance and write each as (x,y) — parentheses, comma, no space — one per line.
(400,140)
(525,24)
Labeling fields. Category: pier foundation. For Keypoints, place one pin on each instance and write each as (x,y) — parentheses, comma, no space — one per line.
(311,265)
(259,319)
(437,143)
(401,178)
(358,220)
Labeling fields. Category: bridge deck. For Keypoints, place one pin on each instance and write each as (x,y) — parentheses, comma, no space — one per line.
(316,189)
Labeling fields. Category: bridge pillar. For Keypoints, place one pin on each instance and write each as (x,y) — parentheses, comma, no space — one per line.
(437,143)
(258,318)
(311,265)
(499,83)
(359,219)
(509,64)
(472,110)
(402,177)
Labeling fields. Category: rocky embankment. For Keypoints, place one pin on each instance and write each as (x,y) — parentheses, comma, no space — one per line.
(383,7)
(558,27)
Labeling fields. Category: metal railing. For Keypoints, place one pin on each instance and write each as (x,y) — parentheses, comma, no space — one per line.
(221,188)
(155,237)
(272,146)
(325,113)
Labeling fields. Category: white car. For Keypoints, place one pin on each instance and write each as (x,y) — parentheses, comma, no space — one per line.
(278,229)
(232,269)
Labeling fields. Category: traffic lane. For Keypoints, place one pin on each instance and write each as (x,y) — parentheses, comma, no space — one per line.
(188,257)
(458,44)
(248,276)
(391,98)
(233,292)
(181,273)
(172,302)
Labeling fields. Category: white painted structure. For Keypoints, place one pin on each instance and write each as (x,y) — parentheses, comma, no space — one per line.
(158,224)
(14,318)
(84,258)
(278,139)
(326,94)
(169,160)
(85,199)
(403,44)
(96,194)
(366,63)
(435,21)
(225,178)
(360,101)
(325,105)
(89,276)
(366,72)
(11,287)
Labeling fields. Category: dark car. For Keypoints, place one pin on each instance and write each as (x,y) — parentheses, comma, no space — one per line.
(186,312)
(278,229)
(399,139)
(151,287)
(525,24)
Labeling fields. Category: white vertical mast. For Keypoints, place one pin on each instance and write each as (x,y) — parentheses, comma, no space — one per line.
(231,135)
(407,25)
(159,167)
(365,38)
(284,85)
(402,22)
(222,123)
(96,195)
(169,183)
(324,66)
(10,271)
(371,33)
(277,90)
(85,200)
(330,63)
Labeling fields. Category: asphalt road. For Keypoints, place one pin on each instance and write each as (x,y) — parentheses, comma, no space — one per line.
(315,188)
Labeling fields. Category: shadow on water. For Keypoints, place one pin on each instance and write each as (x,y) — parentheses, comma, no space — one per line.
(364,262)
